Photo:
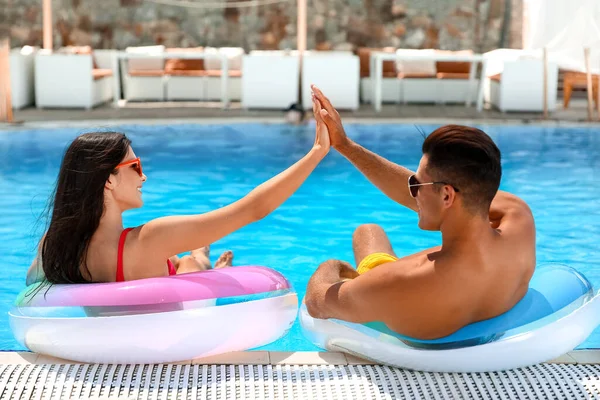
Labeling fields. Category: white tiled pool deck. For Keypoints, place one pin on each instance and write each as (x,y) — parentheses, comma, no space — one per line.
(290,375)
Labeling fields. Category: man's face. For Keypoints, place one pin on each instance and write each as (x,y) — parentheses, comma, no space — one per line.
(429,199)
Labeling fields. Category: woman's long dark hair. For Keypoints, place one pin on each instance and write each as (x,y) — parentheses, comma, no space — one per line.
(79,203)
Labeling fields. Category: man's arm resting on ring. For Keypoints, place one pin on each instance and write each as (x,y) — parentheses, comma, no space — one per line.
(363,299)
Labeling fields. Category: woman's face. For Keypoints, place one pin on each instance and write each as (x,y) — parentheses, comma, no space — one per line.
(127,188)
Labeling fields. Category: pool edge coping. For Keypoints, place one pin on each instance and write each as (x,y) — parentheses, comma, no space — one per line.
(99,123)
(584,356)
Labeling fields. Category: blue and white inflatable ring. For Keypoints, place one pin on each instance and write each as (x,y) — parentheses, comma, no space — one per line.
(560,310)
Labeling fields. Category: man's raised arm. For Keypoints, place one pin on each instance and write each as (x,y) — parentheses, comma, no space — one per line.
(390,178)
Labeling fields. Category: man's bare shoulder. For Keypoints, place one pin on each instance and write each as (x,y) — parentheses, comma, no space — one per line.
(516,206)
(511,215)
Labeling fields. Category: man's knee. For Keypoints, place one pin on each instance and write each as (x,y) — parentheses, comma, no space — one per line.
(366,230)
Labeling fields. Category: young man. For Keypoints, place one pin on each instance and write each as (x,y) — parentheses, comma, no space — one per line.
(486,259)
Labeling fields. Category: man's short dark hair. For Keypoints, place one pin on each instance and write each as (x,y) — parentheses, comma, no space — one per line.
(468,159)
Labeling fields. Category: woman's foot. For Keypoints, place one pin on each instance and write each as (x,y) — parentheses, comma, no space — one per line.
(201,256)
(225,260)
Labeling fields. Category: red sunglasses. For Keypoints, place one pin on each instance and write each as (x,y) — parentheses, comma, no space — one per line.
(414,184)
(136,164)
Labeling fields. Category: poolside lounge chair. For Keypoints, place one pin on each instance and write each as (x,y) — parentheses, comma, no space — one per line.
(453,78)
(270,79)
(515,80)
(143,77)
(390,87)
(337,73)
(185,78)
(418,80)
(200,79)
(73,77)
(22,76)
(424,80)
(214,71)
(578,80)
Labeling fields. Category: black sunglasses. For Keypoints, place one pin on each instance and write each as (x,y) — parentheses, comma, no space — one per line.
(414,184)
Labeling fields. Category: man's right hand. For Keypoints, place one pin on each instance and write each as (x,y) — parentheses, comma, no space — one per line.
(332,120)
(390,178)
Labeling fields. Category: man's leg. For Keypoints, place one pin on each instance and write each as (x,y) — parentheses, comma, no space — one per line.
(368,239)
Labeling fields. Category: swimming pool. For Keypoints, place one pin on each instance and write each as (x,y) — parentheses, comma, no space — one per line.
(197,168)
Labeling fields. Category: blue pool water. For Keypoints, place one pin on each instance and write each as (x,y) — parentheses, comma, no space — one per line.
(198,168)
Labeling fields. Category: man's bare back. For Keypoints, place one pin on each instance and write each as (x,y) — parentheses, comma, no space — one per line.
(481,270)
(486,278)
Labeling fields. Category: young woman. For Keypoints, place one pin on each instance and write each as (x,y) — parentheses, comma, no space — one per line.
(101,177)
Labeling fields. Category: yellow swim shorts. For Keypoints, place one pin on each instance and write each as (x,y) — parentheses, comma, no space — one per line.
(373,260)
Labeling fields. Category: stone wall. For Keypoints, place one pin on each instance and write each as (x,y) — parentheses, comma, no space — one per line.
(332,24)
